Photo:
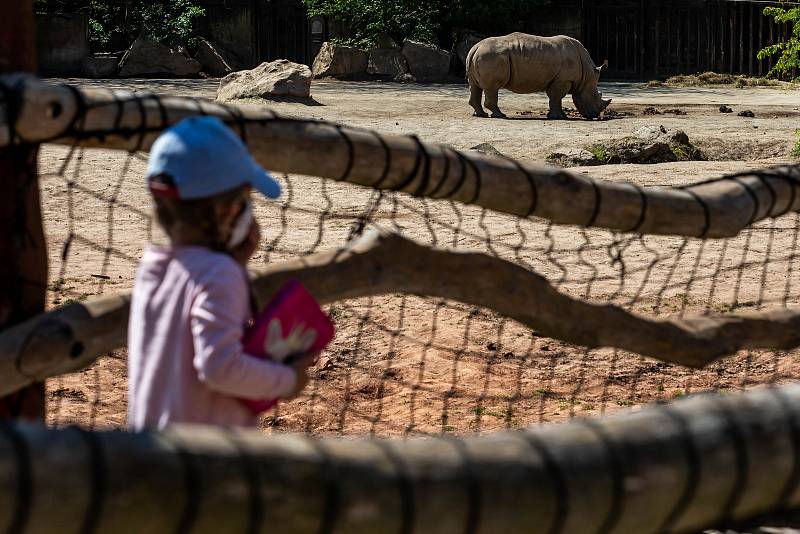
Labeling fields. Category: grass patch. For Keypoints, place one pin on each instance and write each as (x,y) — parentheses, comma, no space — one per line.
(506,414)
(796,151)
(604,153)
(731,307)
(707,79)
(79,298)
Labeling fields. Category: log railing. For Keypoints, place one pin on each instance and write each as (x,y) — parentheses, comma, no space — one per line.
(698,463)
(128,121)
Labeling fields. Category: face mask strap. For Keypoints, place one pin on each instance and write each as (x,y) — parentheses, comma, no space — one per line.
(241,227)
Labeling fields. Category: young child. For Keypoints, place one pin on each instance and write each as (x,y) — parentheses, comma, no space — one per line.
(191,299)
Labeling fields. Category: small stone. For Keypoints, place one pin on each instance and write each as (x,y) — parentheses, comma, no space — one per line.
(491,346)
(725,109)
(573,157)
(747,113)
(649,132)
(488,149)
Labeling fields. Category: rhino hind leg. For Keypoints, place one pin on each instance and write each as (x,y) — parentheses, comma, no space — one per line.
(556,92)
(475,94)
(490,100)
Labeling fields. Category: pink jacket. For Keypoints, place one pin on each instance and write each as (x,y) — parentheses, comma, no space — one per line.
(185,360)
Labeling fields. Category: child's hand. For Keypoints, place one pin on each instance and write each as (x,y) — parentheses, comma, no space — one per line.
(245,251)
(300,367)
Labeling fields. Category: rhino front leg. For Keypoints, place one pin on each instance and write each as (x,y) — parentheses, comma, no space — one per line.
(556,92)
(475,94)
(490,101)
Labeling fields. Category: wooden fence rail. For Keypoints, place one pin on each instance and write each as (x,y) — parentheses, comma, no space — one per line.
(695,464)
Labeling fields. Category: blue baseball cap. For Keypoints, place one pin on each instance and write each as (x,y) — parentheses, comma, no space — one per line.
(203,158)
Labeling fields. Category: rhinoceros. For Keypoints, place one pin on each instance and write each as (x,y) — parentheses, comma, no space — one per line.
(525,63)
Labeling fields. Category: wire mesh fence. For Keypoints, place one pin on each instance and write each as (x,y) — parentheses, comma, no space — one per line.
(404,364)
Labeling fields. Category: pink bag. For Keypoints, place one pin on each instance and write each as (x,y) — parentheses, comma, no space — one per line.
(292,325)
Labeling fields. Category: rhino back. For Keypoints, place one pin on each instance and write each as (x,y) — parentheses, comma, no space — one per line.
(535,62)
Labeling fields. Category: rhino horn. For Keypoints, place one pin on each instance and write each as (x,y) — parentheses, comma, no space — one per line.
(602,67)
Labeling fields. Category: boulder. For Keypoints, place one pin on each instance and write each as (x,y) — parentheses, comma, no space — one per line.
(384,40)
(573,157)
(661,134)
(649,132)
(212,60)
(100,66)
(280,78)
(148,57)
(387,62)
(426,62)
(464,44)
(335,61)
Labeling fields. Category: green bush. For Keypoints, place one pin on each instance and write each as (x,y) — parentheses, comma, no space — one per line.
(431,21)
(115,24)
(796,151)
(365,20)
(788,51)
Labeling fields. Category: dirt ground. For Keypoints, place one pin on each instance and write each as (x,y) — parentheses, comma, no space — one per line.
(408,365)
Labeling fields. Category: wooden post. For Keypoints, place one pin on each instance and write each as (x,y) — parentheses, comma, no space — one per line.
(23,269)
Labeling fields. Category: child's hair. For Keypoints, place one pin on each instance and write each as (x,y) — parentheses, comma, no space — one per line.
(195,221)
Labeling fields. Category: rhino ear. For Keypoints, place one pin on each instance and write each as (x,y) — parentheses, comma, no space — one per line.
(602,67)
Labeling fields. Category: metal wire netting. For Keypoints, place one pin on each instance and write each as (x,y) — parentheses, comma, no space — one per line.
(404,364)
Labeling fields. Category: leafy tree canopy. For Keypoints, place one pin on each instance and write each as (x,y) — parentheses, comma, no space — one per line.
(114,24)
(788,51)
(431,21)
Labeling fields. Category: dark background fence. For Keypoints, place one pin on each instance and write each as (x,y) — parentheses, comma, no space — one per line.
(656,38)
(642,39)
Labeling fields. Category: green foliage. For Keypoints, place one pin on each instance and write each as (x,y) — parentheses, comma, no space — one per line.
(796,151)
(365,20)
(430,21)
(169,21)
(115,24)
(788,51)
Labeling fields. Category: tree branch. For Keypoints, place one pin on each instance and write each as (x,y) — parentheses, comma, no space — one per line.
(72,337)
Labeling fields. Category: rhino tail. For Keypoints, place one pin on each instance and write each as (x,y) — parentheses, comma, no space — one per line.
(469,65)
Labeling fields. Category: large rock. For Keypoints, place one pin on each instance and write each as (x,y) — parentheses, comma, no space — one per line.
(280,78)
(212,60)
(148,57)
(335,61)
(464,44)
(387,62)
(384,40)
(573,157)
(426,62)
(100,66)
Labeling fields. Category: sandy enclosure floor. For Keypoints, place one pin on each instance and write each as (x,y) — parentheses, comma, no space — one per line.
(407,365)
